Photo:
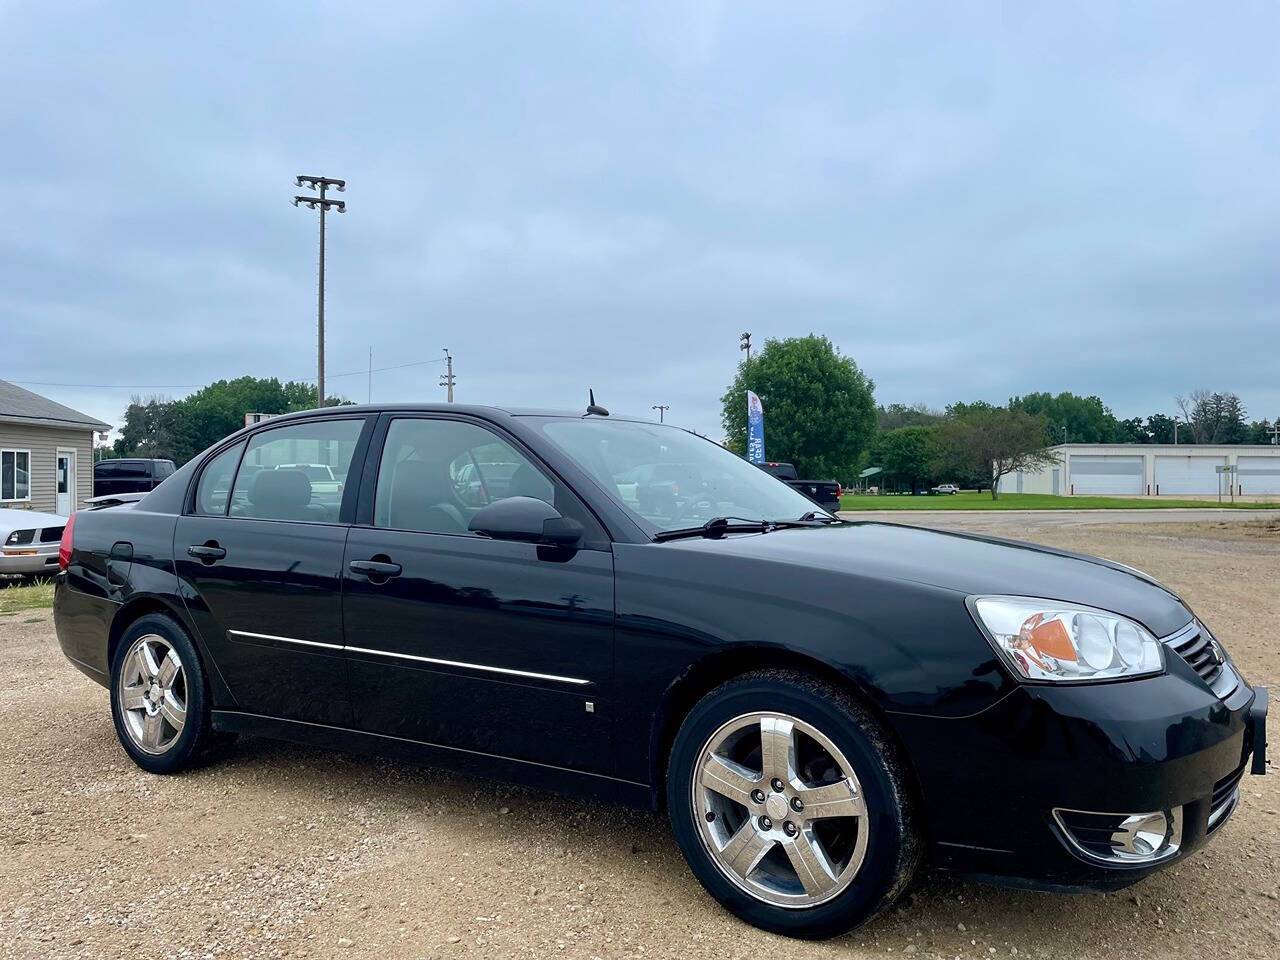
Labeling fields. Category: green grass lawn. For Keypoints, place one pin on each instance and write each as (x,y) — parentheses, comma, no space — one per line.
(970,500)
(21,595)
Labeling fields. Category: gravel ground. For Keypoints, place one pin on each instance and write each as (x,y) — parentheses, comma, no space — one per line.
(279,851)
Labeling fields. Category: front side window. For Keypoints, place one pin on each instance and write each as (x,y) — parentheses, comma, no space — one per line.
(296,472)
(213,490)
(15,474)
(435,475)
(671,478)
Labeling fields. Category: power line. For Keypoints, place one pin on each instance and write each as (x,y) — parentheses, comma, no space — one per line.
(196,386)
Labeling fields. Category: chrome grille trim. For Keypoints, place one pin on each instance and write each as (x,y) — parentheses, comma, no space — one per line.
(1194,644)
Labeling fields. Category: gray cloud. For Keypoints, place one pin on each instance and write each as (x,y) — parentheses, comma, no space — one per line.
(972,202)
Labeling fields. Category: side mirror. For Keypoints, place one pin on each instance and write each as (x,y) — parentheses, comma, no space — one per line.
(527,520)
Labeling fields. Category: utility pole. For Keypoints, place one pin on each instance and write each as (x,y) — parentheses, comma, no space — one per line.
(369,399)
(321,185)
(448,379)
(1275,433)
(662,408)
(744,343)
(1175,431)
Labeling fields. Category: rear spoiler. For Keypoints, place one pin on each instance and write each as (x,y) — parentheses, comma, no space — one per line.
(114,499)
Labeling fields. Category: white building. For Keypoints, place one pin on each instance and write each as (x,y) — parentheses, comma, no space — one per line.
(1153,470)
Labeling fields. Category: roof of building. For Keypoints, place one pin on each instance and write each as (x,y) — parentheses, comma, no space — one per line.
(18,405)
(1187,446)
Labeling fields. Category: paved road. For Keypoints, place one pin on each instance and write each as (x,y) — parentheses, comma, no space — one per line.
(1026,520)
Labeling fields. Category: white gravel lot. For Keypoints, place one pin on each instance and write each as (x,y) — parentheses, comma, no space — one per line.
(281,851)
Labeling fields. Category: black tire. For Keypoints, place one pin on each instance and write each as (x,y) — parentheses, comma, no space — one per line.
(195,737)
(893,845)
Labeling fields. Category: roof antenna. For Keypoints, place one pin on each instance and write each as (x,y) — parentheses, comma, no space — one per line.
(592,407)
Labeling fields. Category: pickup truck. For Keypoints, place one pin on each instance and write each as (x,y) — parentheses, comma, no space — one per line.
(825,493)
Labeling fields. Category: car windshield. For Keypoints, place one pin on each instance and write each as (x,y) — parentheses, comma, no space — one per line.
(672,479)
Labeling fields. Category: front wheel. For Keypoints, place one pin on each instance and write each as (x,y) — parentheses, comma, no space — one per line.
(791,805)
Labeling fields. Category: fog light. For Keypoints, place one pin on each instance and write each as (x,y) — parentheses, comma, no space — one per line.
(1122,838)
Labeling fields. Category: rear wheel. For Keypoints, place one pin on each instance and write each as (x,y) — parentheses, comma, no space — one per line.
(158,699)
(790,805)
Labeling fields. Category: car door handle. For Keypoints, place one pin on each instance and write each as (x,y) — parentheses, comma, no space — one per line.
(206,552)
(375,569)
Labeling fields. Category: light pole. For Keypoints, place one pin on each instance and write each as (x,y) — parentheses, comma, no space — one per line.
(1175,431)
(744,343)
(320,184)
(662,408)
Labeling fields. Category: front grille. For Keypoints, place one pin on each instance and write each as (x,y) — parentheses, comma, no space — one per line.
(1226,792)
(51,534)
(1194,645)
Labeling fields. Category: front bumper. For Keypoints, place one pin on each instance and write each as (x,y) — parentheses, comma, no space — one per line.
(1166,744)
(30,558)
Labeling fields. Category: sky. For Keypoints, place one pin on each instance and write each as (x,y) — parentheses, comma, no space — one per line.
(973,201)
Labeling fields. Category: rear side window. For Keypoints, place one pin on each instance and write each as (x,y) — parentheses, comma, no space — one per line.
(291,472)
(215,482)
(164,469)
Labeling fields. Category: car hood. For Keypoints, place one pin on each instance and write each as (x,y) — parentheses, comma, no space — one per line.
(11,520)
(966,563)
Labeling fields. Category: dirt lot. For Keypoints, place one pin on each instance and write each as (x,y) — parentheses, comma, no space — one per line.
(278,851)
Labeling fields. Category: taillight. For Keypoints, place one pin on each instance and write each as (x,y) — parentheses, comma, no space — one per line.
(64,545)
(839,491)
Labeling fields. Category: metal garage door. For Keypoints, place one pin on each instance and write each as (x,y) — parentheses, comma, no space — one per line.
(1176,475)
(1258,474)
(1106,474)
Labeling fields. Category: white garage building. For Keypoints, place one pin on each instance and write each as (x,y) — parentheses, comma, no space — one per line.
(1153,470)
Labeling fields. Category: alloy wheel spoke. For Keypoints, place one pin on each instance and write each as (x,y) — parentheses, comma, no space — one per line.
(169,669)
(746,849)
(728,779)
(147,664)
(152,729)
(838,799)
(778,749)
(133,698)
(810,863)
(173,710)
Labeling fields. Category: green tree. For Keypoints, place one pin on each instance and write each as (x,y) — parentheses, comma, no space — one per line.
(993,442)
(819,408)
(1160,429)
(1214,417)
(907,455)
(1070,418)
(179,429)
(897,415)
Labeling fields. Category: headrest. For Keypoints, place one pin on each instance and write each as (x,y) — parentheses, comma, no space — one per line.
(276,491)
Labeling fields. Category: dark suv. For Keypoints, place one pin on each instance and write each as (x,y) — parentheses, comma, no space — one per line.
(129,476)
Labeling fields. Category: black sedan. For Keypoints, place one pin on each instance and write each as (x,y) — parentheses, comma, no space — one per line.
(820,706)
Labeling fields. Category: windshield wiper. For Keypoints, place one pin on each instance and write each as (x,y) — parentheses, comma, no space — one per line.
(718,526)
(814,517)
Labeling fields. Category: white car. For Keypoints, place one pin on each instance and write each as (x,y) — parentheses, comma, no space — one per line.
(29,541)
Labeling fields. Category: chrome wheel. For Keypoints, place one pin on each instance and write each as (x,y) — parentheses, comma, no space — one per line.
(152,694)
(780,810)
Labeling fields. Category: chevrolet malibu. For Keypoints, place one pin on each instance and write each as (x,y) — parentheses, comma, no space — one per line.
(820,706)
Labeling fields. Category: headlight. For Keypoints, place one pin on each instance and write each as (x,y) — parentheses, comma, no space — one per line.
(1051,640)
